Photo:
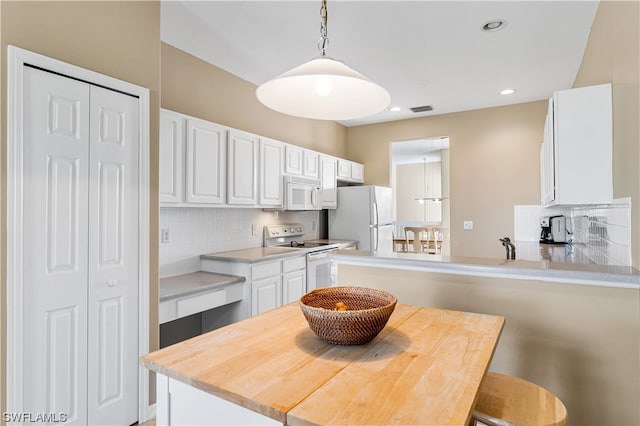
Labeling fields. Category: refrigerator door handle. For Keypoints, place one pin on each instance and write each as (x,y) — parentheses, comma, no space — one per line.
(377,218)
(377,238)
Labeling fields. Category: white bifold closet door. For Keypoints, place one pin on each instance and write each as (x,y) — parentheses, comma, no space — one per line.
(80,239)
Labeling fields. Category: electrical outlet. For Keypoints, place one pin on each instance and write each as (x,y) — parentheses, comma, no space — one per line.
(468,225)
(165,236)
(253,229)
(313,225)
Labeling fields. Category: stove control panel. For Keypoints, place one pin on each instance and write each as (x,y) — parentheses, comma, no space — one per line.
(284,230)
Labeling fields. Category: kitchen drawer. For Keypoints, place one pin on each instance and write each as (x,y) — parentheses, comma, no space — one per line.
(264,270)
(289,265)
(179,308)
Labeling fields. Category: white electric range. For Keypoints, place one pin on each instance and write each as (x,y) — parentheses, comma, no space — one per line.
(321,270)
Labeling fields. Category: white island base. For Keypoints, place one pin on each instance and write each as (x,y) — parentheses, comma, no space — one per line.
(181,404)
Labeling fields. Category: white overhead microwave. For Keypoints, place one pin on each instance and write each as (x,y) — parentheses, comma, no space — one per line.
(302,193)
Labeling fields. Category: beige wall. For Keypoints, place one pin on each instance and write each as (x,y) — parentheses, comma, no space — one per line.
(612,56)
(495,152)
(119,39)
(494,165)
(194,87)
(578,341)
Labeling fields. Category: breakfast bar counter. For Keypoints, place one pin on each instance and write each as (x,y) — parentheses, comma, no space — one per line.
(425,367)
(543,270)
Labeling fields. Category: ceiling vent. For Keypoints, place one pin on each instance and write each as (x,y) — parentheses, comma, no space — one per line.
(424,108)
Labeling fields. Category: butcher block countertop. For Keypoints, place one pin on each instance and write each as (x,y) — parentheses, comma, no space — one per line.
(425,367)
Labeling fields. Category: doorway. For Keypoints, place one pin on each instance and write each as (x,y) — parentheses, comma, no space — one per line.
(420,182)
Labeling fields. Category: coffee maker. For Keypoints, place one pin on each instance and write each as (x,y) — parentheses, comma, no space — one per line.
(553,230)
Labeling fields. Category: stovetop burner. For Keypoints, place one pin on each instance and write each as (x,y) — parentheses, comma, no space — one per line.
(304,244)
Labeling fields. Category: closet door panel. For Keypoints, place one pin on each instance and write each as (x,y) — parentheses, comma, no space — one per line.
(113,258)
(55,166)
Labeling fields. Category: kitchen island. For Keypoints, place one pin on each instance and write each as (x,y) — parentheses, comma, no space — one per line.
(571,328)
(425,367)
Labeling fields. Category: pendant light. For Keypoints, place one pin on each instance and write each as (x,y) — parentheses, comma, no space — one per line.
(323,88)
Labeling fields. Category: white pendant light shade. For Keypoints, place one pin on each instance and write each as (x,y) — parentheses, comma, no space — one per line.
(323,89)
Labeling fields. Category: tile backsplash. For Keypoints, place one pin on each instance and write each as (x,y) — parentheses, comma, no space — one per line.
(196,231)
(605,231)
(602,233)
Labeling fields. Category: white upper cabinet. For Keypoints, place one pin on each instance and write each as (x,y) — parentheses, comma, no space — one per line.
(206,155)
(328,181)
(311,168)
(192,160)
(242,162)
(171,182)
(577,153)
(357,172)
(271,182)
(293,164)
(547,189)
(301,162)
(205,164)
(350,171)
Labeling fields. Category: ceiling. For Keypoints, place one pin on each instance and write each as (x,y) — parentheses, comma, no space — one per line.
(422,52)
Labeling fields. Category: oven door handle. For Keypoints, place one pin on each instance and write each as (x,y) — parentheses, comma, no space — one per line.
(319,255)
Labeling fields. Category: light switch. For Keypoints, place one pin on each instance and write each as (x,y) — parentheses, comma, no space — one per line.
(468,225)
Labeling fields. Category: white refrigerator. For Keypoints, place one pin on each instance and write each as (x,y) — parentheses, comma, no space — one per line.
(364,215)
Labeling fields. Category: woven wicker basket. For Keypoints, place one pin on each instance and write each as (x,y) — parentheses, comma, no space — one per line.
(368,311)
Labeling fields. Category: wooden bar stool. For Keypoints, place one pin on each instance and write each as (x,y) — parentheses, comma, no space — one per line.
(506,400)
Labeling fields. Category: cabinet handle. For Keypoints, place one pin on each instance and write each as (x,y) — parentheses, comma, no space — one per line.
(112,283)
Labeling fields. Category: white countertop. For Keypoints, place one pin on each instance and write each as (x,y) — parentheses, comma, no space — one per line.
(193,283)
(544,269)
(255,254)
(259,254)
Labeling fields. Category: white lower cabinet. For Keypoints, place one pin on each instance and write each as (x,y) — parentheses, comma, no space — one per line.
(181,404)
(266,294)
(294,279)
(270,284)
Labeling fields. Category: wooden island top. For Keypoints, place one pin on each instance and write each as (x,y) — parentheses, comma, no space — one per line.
(425,367)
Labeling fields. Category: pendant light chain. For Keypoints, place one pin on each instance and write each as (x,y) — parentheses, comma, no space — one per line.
(323,43)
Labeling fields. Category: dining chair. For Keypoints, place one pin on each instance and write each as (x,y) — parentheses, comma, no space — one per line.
(417,241)
(434,241)
(507,400)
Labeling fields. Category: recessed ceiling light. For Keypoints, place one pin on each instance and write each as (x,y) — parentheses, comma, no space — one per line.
(394,109)
(507,91)
(494,25)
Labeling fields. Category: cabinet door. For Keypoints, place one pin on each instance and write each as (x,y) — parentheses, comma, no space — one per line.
(271,185)
(583,145)
(206,154)
(294,286)
(328,183)
(547,172)
(266,294)
(344,169)
(243,168)
(310,168)
(293,163)
(172,135)
(357,172)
